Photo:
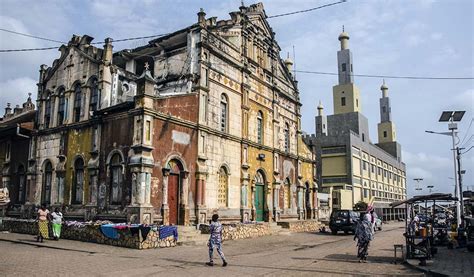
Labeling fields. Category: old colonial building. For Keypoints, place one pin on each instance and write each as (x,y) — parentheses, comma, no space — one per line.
(16,128)
(350,167)
(202,120)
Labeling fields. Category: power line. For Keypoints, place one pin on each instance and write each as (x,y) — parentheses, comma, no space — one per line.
(30,36)
(467,132)
(56,47)
(467,150)
(308,10)
(389,76)
(27,49)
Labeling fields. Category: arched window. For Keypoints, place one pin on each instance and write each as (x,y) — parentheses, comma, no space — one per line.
(47,112)
(287,137)
(117,178)
(287,195)
(94,101)
(47,179)
(222,191)
(224,113)
(78,182)
(21,184)
(77,102)
(260,127)
(61,107)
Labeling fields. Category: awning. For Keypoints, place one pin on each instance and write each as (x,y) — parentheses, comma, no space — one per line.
(428,197)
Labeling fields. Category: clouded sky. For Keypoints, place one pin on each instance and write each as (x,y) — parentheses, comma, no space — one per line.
(397,37)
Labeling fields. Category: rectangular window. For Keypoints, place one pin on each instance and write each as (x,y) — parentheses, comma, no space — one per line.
(343,67)
(364,165)
(384,109)
(384,134)
(366,193)
(206,77)
(372,168)
(223,117)
(343,101)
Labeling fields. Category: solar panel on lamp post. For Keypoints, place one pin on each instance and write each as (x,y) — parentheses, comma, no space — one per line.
(452,117)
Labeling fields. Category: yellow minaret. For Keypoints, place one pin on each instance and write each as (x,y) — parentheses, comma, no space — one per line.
(386,128)
(346,96)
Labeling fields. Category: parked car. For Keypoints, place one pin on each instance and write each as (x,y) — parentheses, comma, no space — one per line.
(343,220)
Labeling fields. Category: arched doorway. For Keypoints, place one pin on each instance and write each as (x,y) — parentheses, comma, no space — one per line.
(174,188)
(259,196)
(47,179)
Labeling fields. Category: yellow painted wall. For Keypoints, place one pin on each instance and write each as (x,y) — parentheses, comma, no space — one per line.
(388,127)
(346,199)
(334,165)
(78,143)
(356,166)
(352,95)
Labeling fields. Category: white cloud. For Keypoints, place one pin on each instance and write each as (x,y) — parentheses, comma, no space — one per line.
(436,36)
(15,91)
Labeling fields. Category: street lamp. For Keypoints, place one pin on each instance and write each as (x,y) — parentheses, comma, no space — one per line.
(452,117)
(430,187)
(417,180)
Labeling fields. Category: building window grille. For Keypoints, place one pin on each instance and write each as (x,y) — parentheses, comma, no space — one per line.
(287,137)
(222,190)
(224,113)
(78,184)
(61,107)
(48,175)
(47,112)
(384,134)
(260,127)
(77,103)
(93,106)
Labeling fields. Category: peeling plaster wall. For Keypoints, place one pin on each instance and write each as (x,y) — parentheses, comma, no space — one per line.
(47,149)
(78,146)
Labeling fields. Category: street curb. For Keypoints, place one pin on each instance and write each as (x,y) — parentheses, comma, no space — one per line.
(424,270)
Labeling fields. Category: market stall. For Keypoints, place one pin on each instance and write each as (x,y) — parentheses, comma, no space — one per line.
(419,228)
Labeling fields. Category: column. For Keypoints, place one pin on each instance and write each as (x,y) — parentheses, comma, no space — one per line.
(184,209)
(164,205)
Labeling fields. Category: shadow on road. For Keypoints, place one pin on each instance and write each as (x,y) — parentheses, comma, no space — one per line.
(31,242)
(353,258)
(292,269)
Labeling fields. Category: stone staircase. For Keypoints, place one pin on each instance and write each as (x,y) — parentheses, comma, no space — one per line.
(278,230)
(189,235)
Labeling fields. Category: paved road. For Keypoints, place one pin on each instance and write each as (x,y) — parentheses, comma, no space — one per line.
(298,254)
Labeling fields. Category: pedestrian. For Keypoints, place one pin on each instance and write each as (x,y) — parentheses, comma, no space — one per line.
(364,235)
(43,231)
(215,240)
(57,221)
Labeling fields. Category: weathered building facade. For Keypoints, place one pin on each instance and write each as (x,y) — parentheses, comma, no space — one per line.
(16,128)
(350,167)
(203,120)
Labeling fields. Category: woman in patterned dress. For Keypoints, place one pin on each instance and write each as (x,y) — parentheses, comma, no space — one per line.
(43,231)
(363,234)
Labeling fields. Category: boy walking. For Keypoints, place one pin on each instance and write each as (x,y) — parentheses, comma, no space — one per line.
(215,240)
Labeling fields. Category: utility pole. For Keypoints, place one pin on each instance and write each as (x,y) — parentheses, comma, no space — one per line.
(460,172)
